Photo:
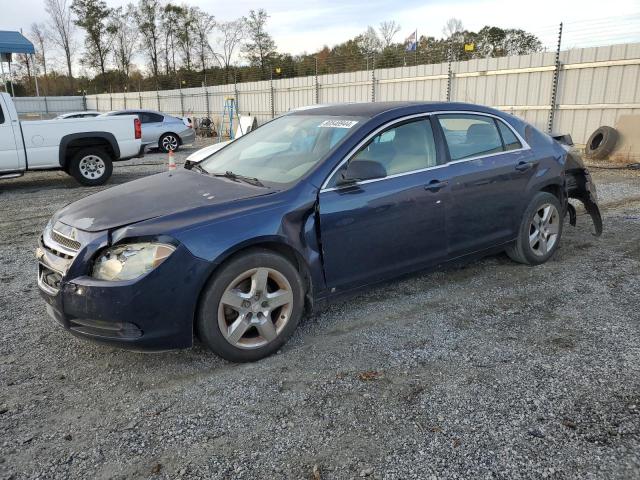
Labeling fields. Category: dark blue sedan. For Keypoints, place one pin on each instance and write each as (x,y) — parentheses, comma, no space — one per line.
(311,205)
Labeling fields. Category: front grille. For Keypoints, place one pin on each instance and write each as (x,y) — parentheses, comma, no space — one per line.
(65,241)
(56,251)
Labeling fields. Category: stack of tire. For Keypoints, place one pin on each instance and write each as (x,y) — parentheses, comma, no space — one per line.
(601,143)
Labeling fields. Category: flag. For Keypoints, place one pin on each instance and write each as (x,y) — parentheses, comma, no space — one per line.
(411,43)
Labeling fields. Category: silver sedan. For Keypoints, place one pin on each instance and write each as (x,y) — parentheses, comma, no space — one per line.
(160,130)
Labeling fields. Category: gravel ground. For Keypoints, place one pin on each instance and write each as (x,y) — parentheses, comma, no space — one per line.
(494,370)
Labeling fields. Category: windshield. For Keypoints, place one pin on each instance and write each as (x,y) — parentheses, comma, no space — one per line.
(282,150)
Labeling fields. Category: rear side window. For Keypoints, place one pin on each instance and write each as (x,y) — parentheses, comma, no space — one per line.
(470,135)
(148,117)
(1,115)
(509,139)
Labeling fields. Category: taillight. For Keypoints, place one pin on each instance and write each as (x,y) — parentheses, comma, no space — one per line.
(137,127)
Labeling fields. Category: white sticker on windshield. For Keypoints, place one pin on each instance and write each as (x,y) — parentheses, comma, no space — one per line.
(338,123)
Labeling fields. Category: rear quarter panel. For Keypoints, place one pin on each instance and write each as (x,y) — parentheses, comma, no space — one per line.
(42,137)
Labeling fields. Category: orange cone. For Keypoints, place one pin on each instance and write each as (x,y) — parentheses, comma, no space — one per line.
(172,160)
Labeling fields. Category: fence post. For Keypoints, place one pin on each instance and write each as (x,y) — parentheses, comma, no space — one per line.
(554,84)
(271,95)
(158,98)
(84,100)
(110,101)
(317,87)
(139,100)
(46,105)
(449,73)
(124,99)
(181,102)
(373,78)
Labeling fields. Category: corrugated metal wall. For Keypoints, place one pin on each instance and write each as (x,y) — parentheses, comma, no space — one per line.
(596,86)
(48,105)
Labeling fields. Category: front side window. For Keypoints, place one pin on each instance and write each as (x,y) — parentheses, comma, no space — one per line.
(470,135)
(283,150)
(400,149)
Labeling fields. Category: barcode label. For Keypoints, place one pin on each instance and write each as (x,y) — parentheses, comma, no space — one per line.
(338,123)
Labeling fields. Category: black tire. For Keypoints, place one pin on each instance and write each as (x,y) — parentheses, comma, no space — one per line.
(207,322)
(601,143)
(522,251)
(96,175)
(163,141)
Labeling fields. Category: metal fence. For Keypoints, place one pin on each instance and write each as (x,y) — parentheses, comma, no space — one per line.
(573,92)
(48,107)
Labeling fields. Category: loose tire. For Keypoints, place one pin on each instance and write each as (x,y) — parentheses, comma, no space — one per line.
(251,307)
(91,167)
(540,231)
(601,143)
(169,141)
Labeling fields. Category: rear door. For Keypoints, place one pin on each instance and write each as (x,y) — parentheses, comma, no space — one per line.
(152,127)
(379,228)
(490,170)
(9,159)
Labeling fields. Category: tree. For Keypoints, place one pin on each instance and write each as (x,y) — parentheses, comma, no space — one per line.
(125,37)
(233,33)
(40,37)
(388,30)
(62,28)
(147,16)
(203,24)
(369,41)
(260,48)
(171,18)
(186,30)
(452,29)
(92,17)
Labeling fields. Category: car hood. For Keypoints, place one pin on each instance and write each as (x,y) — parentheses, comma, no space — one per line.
(151,197)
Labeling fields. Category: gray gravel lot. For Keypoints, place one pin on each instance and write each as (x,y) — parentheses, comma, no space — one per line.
(494,370)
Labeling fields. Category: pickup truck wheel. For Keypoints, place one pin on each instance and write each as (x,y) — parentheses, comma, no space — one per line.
(251,307)
(169,141)
(540,231)
(91,167)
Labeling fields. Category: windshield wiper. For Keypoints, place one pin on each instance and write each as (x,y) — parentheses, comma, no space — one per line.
(237,177)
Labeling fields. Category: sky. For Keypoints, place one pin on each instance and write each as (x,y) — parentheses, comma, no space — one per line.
(307,25)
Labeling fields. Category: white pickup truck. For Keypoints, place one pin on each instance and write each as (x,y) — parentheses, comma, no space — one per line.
(85,148)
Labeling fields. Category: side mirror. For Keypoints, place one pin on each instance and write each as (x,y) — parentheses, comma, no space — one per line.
(360,170)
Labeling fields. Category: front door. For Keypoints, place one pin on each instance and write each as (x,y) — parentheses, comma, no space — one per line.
(379,228)
(9,159)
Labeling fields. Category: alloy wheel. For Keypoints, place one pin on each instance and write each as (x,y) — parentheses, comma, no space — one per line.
(544,229)
(255,308)
(92,167)
(169,142)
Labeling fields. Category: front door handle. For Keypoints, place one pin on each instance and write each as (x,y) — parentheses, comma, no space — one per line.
(524,166)
(435,185)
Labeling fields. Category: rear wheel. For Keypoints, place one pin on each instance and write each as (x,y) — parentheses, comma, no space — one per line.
(251,307)
(91,166)
(169,141)
(540,231)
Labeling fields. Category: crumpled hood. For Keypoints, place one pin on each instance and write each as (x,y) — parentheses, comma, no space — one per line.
(152,197)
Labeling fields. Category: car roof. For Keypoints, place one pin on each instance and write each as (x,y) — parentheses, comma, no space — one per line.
(138,110)
(373,109)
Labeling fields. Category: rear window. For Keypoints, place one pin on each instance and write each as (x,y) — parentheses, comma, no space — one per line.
(148,117)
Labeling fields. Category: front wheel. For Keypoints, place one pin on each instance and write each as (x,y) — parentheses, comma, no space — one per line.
(91,167)
(251,307)
(169,141)
(540,231)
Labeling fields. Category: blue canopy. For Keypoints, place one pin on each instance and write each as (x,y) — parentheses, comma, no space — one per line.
(15,42)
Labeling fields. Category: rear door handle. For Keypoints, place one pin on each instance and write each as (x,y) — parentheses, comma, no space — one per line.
(435,185)
(524,166)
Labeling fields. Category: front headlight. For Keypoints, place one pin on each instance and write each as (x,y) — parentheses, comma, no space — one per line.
(130,261)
